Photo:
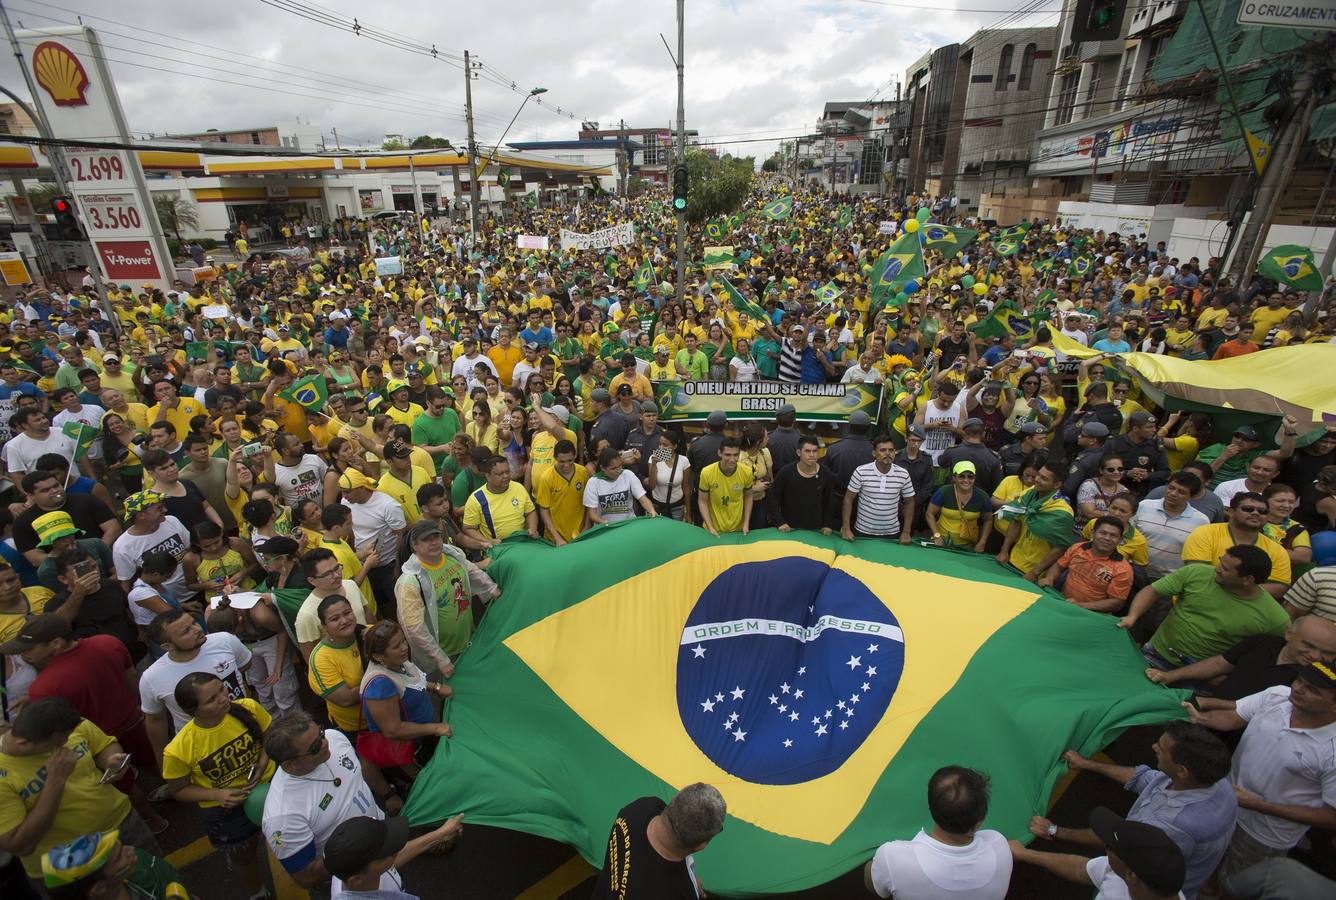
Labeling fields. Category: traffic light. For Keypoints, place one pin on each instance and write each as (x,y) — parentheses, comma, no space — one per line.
(1098,20)
(680,188)
(67,223)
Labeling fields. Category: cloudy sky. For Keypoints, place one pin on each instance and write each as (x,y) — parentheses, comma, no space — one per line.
(756,70)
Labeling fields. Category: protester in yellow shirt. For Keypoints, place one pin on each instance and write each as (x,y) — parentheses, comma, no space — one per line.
(560,495)
(402,479)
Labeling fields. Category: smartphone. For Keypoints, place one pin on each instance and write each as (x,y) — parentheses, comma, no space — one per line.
(115,772)
(84,568)
(252,772)
(628,455)
(250,450)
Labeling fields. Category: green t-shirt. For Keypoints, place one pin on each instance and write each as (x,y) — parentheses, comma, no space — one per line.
(765,365)
(1230,469)
(454,618)
(1208,620)
(434,430)
(465,483)
(697,364)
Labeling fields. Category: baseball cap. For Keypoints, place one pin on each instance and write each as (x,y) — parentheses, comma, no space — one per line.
(1033,428)
(1150,853)
(661,349)
(81,858)
(972,422)
(562,413)
(600,394)
(917,431)
(962,467)
(395,384)
(423,529)
(717,419)
(860,418)
(397,450)
(1095,430)
(1319,673)
(1247,432)
(357,842)
(623,388)
(788,409)
(352,479)
(278,545)
(1140,417)
(530,345)
(36,630)
(53,525)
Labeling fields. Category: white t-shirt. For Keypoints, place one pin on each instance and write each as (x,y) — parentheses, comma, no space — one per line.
(21,452)
(89,415)
(306,624)
(1228,489)
(614,500)
(663,474)
(141,591)
(1107,883)
(377,520)
(170,537)
(222,654)
(746,369)
(306,479)
(926,869)
(302,811)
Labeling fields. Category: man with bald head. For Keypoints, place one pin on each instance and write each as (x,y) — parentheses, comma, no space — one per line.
(1257,662)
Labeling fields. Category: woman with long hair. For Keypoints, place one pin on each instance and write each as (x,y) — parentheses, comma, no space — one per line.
(565,387)
(121,443)
(669,485)
(481,429)
(216,760)
(401,708)
(1184,436)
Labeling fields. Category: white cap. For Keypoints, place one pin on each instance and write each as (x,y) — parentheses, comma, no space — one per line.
(562,413)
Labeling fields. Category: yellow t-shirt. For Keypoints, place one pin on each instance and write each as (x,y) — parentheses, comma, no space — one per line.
(542,453)
(332,666)
(1133,548)
(180,417)
(1183,452)
(10,623)
(563,499)
(405,492)
(217,757)
(345,555)
(404,416)
(498,515)
(1264,318)
(85,805)
(1209,542)
(726,494)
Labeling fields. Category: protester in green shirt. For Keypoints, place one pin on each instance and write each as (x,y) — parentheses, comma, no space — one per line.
(692,364)
(435,428)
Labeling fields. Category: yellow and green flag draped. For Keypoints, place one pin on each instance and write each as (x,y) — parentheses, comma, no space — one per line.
(1006,318)
(741,303)
(777,209)
(818,683)
(946,239)
(902,261)
(82,435)
(309,392)
(1291,265)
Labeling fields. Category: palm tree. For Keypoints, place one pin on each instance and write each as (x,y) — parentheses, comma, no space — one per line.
(175,213)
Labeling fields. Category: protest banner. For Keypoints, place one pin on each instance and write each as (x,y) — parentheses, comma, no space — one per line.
(693,401)
(389,265)
(616,236)
(531,242)
(718,258)
(886,227)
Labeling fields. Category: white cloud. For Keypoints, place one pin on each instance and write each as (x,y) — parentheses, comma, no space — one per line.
(755,69)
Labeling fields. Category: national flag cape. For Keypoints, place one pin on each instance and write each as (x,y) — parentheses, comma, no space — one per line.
(901,261)
(818,683)
(1291,265)
(777,209)
(82,435)
(1047,516)
(741,303)
(945,239)
(1006,318)
(829,292)
(1079,266)
(309,392)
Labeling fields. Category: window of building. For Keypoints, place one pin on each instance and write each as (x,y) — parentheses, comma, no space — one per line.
(1092,91)
(255,137)
(1125,78)
(1003,68)
(1027,66)
(1157,45)
(1067,97)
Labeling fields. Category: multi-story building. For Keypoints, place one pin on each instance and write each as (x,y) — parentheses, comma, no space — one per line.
(851,148)
(655,145)
(929,89)
(294,136)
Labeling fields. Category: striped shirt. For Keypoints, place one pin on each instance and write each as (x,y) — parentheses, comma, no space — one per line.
(1315,593)
(879,497)
(1165,534)
(790,362)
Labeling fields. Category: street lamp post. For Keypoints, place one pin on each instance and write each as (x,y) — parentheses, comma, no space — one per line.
(491,157)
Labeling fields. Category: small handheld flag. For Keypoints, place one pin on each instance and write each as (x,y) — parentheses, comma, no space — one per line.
(82,435)
(778,208)
(309,392)
(1291,265)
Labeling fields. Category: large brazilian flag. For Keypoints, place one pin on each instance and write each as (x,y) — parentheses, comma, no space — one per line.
(817,683)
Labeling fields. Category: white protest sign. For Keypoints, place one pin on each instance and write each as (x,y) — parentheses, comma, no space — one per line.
(886,227)
(616,236)
(389,265)
(531,242)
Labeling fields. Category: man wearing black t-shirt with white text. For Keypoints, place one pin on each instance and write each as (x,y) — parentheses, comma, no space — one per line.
(651,847)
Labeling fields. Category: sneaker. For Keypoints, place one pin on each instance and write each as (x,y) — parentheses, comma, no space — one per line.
(160,794)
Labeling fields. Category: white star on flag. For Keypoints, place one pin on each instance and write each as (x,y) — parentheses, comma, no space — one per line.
(788,743)
(739,735)
(839,705)
(820,730)
(866,687)
(737,693)
(733,717)
(853,698)
(849,712)
(793,716)
(829,713)
(719,697)
(728,723)
(798,694)
(854,662)
(816,720)
(699,651)
(872,648)
(844,724)
(802,670)
(783,707)
(784,688)
(871,670)
(708,706)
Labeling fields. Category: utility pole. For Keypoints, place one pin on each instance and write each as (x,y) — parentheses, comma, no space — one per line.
(1285,150)
(336,139)
(681,157)
(472,149)
(623,162)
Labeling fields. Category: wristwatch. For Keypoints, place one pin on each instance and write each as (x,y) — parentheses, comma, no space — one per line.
(1052,830)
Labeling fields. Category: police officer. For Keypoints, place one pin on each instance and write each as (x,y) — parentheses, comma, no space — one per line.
(1033,439)
(1090,442)
(1142,451)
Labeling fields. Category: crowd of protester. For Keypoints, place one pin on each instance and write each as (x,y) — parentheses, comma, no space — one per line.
(490,391)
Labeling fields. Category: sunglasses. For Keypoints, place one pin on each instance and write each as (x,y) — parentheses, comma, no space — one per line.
(1259,510)
(1114,468)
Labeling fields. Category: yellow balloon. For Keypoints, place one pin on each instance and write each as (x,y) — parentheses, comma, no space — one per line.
(980,288)
(911,225)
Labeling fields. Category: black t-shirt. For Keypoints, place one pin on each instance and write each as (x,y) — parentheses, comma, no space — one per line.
(87,511)
(632,868)
(1255,668)
(189,507)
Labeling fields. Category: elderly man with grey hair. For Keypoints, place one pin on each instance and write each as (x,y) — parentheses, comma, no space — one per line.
(651,847)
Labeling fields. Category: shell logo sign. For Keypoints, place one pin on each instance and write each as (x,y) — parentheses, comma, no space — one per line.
(60,73)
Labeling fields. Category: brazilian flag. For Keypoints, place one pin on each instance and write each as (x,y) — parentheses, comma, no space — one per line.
(741,303)
(644,276)
(902,261)
(1291,265)
(1043,267)
(945,239)
(1006,318)
(715,229)
(1015,232)
(309,392)
(829,292)
(1006,248)
(1079,266)
(844,216)
(82,435)
(817,683)
(777,209)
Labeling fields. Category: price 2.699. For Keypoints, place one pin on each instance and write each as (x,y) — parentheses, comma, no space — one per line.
(97,167)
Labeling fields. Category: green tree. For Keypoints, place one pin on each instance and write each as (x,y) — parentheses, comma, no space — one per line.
(41,196)
(717,185)
(428,142)
(772,164)
(392,145)
(175,213)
